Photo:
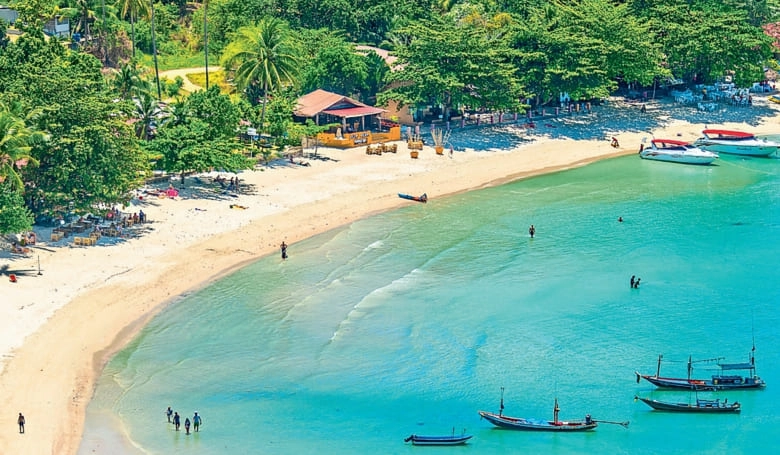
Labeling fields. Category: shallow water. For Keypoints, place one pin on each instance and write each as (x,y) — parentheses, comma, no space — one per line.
(411,321)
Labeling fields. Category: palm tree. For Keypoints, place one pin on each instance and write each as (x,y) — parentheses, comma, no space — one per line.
(146,111)
(127,80)
(133,9)
(264,54)
(206,38)
(85,16)
(154,54)
(15,140)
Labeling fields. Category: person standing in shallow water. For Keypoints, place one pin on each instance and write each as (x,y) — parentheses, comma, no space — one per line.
(633,280)
(196,421)
(284,250)
(169,413)
(176,420)
(187,425)
(532,231)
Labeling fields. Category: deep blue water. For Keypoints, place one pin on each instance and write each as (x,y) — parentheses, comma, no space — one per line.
(411,321)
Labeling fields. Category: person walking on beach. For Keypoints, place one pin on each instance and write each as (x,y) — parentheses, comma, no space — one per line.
(196,421)
(21,423)
(284,250)
(169,413)
(532,231)
(176,420)
(187,425)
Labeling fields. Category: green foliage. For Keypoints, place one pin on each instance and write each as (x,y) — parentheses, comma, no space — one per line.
(4,40)
(454,64)
(32,13)
(15,217)
(704,40)
(216,110)
(332,64)
(91,155)
(200,135)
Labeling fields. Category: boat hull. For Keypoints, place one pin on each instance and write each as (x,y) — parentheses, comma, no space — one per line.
(754,148)
(423,198)
(515,423)
(675,151)
(702,407)
(678,158)
(723,383)
(438,440)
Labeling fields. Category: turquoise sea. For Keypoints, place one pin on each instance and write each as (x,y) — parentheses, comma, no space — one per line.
(412,321)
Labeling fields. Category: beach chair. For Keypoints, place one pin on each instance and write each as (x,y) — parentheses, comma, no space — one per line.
(78,241)
(56,236)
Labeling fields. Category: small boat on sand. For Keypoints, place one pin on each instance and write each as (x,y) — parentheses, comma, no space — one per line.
(451,440)
(423,198)
(700,406)
(675,151)
(736,143)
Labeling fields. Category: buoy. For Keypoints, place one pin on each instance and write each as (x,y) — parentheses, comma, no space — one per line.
(13,278)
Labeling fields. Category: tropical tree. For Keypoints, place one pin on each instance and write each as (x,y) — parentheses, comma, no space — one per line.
(147,109)
(133,9)
(127,80)
(201,137)
(15,147)
(703,41)
(83,16)
(447,63)
(154,52)
(14,215)
(266,55)
(332,64)
(206,38)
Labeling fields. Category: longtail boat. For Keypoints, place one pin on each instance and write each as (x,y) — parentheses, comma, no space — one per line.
(423,198)
(700,406)
(719,381)
(451,440)
(519,423)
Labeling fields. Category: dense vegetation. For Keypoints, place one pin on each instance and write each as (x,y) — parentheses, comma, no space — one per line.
(83,122)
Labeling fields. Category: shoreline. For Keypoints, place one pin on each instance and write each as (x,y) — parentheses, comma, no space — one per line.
(51,375)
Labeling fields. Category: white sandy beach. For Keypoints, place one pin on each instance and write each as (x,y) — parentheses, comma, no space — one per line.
(60,327)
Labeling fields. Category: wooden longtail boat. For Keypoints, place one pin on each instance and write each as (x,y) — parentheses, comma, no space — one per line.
(423,198)
(700,406)
(518,423)
(718,381)
(451,440)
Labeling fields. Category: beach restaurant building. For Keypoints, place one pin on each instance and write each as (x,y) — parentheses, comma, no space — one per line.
(355,123)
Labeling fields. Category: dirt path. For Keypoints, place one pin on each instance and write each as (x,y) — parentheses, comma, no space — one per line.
(183,72)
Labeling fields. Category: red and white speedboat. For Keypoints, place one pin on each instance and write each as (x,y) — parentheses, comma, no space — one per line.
(736,143)
(675,151)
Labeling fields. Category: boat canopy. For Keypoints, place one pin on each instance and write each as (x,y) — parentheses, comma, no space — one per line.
(669,142)
(728,133)
(736,366)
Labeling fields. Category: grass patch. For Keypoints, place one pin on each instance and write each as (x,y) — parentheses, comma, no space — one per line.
(215,77)
(172,62)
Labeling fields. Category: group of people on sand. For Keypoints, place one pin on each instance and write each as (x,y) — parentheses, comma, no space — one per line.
(175,419)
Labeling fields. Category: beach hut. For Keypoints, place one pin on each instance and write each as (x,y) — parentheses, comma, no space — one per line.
(359,123)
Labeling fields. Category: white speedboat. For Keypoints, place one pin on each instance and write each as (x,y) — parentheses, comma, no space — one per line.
(675,151)
(736,143)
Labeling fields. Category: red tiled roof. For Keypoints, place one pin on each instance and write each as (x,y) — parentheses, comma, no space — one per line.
(320,100)
(358,111)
